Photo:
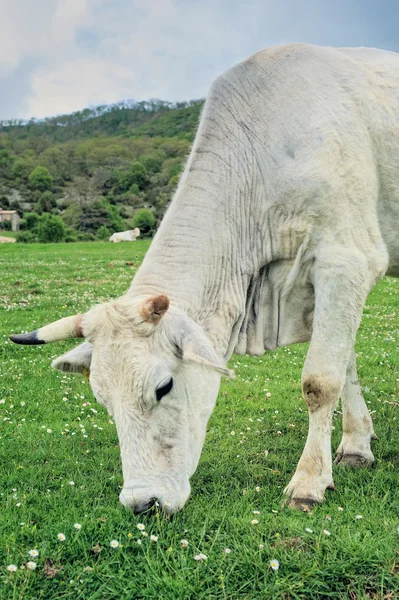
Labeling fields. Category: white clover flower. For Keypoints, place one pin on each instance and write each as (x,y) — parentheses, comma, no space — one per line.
(12,568)
(261,546)
(200,557)
(254,522)
(340,509)
(359,517)
(140,526)
(308,530)
(154,538)
(31,565)
(227,550)
(61,537)
(275,565)
(49,430)
(144,534)
(114,543)
(33,553)
(257,489)
(71,482)
(77,526)
(256,512)
(139,542)
(184,543)
(326,532)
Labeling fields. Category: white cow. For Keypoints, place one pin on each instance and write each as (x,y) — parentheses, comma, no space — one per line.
(286,215)
(125,236)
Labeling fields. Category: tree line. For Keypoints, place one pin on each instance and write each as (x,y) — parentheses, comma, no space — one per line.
(105,169)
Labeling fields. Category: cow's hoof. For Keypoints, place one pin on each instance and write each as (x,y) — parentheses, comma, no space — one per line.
(305,490)
(303,504)
(354,460)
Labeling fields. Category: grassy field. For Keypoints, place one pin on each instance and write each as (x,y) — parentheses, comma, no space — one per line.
(61,466)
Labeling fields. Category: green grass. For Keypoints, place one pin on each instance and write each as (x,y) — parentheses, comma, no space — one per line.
(9,234)
(43,448)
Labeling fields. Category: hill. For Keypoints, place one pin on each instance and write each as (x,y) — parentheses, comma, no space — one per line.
(95,168)
(154,117)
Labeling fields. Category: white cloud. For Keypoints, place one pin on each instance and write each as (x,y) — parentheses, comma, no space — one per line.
(76,84)
(23,27)
(58,56)
(161,51)
(69,15)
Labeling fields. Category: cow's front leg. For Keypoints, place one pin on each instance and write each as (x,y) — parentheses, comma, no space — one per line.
(341,287)
(354,449)
(314,471)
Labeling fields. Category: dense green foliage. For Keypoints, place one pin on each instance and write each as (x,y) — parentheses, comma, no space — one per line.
(40,179)
(61,464)
(145,221)
(97,167)
(46,228)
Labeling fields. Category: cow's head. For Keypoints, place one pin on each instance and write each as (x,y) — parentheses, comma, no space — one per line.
(158,375)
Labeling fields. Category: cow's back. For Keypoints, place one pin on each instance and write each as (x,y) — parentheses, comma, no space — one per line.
(320,119)
(384,130)
(382,62)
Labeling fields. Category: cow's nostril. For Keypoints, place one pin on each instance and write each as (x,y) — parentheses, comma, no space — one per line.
(140,508)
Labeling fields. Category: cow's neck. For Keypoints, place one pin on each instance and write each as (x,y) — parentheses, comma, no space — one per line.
(198,258)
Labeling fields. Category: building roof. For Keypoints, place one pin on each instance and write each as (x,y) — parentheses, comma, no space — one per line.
(8,212)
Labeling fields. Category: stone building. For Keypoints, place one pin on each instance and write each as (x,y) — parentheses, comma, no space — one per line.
(12,216)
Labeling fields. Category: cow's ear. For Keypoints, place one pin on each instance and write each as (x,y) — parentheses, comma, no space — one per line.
(77,360)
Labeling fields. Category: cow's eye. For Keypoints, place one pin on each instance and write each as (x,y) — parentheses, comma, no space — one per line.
(164,389)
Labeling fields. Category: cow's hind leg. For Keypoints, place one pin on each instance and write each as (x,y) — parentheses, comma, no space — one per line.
(354,449)
(342,281)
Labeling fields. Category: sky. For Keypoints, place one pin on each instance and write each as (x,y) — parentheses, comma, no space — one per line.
(59,56)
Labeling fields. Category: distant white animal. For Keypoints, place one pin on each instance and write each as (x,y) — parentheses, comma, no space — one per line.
(286,215)
(125,236)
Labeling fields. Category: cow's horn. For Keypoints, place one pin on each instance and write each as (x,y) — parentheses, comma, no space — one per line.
(64,329)
(153,309)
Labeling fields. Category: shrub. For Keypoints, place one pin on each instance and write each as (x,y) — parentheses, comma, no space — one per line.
(145,221)
(51,229)
(26,237)
(30,221)
(135,177)
(5,225)
(84,236)
(40,179)
(71,235)
(153,162)
(21,169)
(103,233)
(46,202)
